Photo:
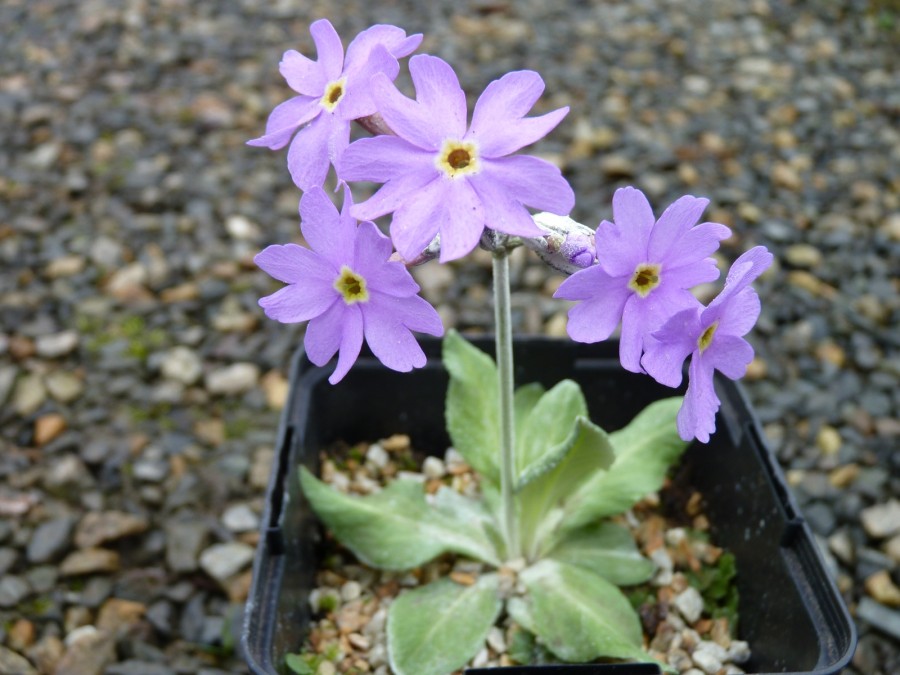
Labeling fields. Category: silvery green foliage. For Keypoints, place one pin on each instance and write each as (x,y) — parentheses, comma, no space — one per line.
(570,475)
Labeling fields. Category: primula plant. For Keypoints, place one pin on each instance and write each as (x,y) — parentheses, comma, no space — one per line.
(549,478)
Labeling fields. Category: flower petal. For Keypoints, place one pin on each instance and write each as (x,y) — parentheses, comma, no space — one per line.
(729,354)
(388,338)
(697,416)
(351,334)
(420,316)
(325,231)
(633,215)
(395,194)
(417,220)
(595,319)
(323,334)
(357,101)
(697,243)
(619,252)
(532,181)
(329,49)
(675,221)
(392,38)
(292,263)
(737,315)
(502,211)
(308,159)
(298,302)
(462,220)
(497,122)
(302,74)
(285,119)
(439,94)
(668,347)
(744,271)
(688,276)
(370,251)
(405,117)
(383,158)
(642,316)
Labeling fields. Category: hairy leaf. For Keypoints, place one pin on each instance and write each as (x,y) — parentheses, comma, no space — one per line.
(436,629)
(606,549)
(580,616)
(644,450)
(545,486)
(472,409)
(395,529)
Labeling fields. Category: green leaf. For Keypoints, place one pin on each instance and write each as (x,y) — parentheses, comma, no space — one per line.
(298,664)
(645,450)
(546,485)
(524,400)
(520,611)
(435,629)
(395,529)
(606,549)
(475,513)
(472,408)
(580,616)
(548,427)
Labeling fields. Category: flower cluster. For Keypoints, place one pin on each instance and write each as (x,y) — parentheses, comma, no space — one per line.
(447,182)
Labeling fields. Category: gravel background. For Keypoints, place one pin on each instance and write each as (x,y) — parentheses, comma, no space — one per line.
(140,383)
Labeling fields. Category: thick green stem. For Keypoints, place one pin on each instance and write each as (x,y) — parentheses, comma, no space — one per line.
(504,355)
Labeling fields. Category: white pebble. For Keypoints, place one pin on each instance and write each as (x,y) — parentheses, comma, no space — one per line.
(341,482)
(411,475)
(496,641)
(377,456)
(326,668)
(433,467)
(481,658)
(690,604)
(739,651)
(713,649)
(452,457)
(664,565)
(377,656)
(350,591)
(709,663)
(675,536)
(376,623)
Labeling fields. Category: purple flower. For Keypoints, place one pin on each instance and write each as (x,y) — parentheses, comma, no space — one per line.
(333,92)
(713,336)
(441,177)
(346,287)
(644,270)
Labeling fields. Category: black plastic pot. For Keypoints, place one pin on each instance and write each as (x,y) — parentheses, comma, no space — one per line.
(791,612)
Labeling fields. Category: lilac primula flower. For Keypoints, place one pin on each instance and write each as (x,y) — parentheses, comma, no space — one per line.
(442,178)
(713,336)
(334,91)
(644,268)
(348,289)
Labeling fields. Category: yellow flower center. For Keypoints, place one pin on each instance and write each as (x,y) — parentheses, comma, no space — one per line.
(645,279)
(351,286)
(334,92)
(458,158)
(706,338)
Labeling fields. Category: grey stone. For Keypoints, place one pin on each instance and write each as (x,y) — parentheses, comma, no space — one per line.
(879,617)
(184,542)
(183,365)
(234,379)
(882,520)
(13,589)
(56,345)
(222,561)
(15,664)
(50,540)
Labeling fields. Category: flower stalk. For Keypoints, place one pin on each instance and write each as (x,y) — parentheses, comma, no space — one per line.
(504,357)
